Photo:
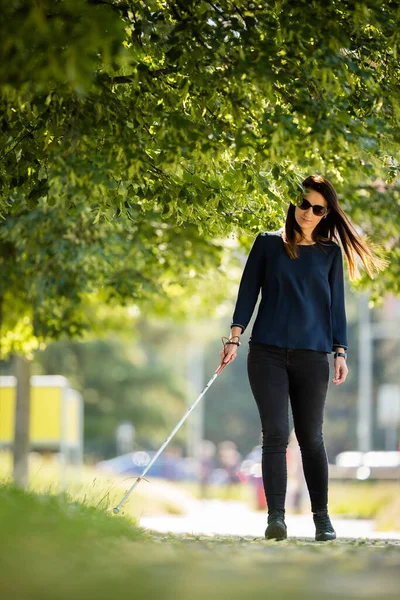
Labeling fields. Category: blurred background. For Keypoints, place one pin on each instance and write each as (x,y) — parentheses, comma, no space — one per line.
(98,410)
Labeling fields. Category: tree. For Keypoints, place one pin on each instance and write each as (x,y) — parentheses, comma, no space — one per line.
(206,112)
(58,271)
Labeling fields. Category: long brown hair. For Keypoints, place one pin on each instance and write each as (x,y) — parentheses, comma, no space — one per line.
(336,226)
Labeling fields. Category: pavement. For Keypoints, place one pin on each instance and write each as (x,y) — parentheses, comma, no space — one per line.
(231,518)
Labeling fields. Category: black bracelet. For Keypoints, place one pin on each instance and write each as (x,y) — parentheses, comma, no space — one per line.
(344,354)
(230,341)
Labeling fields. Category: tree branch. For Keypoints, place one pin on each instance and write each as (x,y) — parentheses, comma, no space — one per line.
(118,7)
(131,78)
(284,94)
(15,145)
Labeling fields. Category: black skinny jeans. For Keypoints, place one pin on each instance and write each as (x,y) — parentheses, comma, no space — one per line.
(275,374)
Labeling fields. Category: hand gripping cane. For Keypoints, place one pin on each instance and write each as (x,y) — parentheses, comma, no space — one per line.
(128,493)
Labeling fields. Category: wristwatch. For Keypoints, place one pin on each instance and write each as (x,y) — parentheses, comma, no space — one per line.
(344,354)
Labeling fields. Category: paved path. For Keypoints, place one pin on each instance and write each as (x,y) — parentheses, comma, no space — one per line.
(210,517)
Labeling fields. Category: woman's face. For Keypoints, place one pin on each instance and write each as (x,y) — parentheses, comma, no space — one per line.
(306,218)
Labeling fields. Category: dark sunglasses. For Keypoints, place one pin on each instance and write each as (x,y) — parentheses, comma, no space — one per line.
(304,204)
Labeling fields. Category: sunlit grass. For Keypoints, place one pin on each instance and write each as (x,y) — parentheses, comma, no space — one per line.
(361,499)
(92,488)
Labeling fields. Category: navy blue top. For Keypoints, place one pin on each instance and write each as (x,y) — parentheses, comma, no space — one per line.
(302,300)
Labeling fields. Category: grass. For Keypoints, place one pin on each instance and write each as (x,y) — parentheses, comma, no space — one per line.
(388,517)
(55,549)
(89,487)
(363,499)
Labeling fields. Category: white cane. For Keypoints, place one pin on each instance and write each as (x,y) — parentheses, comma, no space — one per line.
(128,493)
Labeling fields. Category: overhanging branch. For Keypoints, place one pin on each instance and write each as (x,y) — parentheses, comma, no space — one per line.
(131,78)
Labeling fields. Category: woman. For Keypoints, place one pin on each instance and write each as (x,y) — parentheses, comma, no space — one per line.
(301,319)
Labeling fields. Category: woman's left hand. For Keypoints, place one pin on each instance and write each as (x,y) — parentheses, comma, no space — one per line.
(341,370)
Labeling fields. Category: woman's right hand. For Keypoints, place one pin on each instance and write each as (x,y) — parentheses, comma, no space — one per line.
(228,355)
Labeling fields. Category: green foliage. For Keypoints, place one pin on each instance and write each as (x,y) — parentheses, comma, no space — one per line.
(202,109)
(202,115)
(58,269)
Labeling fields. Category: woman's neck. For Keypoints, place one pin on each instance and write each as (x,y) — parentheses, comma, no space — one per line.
(303,239)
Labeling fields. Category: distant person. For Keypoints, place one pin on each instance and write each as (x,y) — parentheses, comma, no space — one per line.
(301,319)
(230,459)
(207,465)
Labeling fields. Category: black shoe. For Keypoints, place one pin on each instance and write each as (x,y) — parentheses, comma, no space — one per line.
(323,526)
(276,525)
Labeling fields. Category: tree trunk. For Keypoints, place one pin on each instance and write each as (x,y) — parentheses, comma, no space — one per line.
(22,372)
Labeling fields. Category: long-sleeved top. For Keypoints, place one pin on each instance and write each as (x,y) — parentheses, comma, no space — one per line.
(302,299)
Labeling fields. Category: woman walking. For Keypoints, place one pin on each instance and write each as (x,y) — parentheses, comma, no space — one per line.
(301,319)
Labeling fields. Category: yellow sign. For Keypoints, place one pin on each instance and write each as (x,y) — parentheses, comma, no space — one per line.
(56,412)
